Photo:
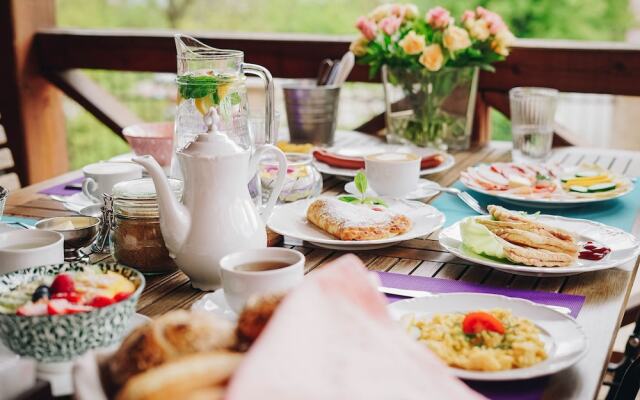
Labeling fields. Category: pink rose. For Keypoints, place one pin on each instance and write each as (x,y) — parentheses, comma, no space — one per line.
(367,27)
(390,25)
(481,11)
(397,10)
(494,21)
(468,16)
(438,18)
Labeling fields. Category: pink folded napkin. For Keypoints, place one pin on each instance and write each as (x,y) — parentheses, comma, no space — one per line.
(332,338)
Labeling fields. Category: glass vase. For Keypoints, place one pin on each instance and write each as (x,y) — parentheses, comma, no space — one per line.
(430,109)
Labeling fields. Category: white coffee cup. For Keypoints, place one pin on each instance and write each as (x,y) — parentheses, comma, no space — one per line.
(100,177)
(242,279)
(392,174)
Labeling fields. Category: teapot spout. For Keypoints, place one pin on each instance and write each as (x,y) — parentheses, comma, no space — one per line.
(175,219)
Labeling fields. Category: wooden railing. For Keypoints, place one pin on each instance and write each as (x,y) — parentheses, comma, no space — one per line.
(59,55)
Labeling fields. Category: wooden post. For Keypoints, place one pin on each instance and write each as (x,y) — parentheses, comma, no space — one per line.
(30,106)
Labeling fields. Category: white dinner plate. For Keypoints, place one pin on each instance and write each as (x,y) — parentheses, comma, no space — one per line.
(522,200)
(291,220)
(624,247)
(424,190)
(564,339)
(358,144)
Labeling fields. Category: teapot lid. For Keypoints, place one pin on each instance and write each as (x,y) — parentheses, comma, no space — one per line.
(212,143)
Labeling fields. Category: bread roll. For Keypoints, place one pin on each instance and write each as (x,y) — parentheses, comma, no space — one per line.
(192,376)
(175,334)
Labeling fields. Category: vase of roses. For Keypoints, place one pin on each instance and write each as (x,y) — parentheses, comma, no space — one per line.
(429,67)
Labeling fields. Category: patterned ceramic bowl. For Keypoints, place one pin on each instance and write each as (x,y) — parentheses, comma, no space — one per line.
(154,138)
(56,338)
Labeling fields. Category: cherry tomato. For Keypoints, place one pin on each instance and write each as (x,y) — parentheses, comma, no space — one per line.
(476,322)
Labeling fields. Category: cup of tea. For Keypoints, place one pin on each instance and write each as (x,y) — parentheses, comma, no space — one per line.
(99,178)
(392,174)
(258,272)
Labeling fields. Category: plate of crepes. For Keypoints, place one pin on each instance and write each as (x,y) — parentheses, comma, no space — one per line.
(331,223)
(346,161)
(489,337)
(546,185)
(538,245)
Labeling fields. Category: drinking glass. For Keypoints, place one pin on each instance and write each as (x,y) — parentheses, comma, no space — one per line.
(532,116)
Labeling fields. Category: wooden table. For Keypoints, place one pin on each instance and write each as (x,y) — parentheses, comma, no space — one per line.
(606,292)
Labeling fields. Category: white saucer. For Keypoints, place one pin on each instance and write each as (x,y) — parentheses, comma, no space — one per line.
(425,189)
(59,374)
(78,201)
(215,303)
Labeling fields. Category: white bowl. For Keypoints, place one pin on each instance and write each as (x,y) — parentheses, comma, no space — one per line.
(30,248)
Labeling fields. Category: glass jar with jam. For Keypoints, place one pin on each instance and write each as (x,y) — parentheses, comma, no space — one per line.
(136,238)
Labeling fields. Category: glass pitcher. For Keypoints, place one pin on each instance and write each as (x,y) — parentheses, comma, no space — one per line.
(210,77)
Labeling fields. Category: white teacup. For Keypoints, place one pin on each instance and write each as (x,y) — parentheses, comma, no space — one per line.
(29,248)
(259,272)
(100,177)
(392,174)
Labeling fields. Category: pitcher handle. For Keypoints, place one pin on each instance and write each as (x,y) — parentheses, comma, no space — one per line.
(267,208)
(269,122)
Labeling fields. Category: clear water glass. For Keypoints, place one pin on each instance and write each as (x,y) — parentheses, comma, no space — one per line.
(532,116)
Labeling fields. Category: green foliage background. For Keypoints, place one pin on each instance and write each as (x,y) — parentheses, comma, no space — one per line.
(89,141)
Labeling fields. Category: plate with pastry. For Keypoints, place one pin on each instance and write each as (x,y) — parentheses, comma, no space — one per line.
(538,245)
(546,185)
(336,224)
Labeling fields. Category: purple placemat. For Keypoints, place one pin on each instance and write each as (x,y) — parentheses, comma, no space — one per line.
(60,189)
(531,389)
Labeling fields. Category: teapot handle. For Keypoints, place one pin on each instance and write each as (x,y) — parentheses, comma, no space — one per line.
(267,208)
(264,73)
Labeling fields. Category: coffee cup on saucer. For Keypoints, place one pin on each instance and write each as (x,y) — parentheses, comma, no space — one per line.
(392,174)
(100,178)
(258,272)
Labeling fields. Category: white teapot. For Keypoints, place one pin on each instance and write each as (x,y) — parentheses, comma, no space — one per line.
(218,216)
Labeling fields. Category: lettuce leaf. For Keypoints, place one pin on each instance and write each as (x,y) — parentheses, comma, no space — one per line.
(478,239)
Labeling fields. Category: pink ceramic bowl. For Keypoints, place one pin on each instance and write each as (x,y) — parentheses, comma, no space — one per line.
(154,138)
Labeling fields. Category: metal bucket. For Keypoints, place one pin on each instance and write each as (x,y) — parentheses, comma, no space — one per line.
(312,112)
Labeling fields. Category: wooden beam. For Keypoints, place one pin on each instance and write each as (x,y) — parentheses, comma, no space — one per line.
(31,107)
(95,99)
(569,66)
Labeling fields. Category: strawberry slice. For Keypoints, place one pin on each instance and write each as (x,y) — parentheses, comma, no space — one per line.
(73,297)
(32,309)
(63,283)
(63,306)
(121,296)
(101,301)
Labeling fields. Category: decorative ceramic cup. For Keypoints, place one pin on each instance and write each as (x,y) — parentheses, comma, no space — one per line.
(29,248)
(100,178)
(392,174)
(259,272)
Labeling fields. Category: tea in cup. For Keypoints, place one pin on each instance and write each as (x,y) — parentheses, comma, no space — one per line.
(392,174)
(259,272)
(100,177)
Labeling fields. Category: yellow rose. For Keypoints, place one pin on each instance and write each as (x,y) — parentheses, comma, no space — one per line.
(380,12)
(359,46)
(432,57)
(412,43)
(455,38)
(478,29)
(410,11)
(502,41)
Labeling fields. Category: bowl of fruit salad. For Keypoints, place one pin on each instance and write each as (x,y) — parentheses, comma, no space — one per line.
(54,313)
